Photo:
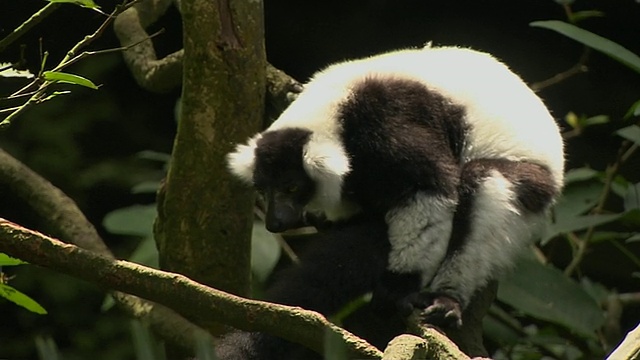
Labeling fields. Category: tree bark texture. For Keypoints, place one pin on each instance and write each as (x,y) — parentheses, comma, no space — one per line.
(204,223)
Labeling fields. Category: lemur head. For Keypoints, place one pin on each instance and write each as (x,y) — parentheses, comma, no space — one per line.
(295,172)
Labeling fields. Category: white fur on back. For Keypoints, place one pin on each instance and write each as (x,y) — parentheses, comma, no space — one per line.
(507,119)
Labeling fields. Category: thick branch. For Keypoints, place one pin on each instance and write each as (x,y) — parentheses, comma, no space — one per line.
(151,73)
(175,291)
(629,349)
(160,75)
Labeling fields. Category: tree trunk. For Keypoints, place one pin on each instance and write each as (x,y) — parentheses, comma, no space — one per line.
(204,224)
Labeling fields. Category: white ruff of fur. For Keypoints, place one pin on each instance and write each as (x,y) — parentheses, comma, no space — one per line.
(499,235)
(326,162)
(419,234)
(241,162)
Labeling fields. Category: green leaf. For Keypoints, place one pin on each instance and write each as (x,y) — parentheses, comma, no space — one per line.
(595,120)
(633,238)
(136,220)
(583,15)
(545,293)
(597,42)
(563,226)
(632,197)
(634,110)
(578,198)
(84,3)
(144,343)
(6,260)
(146,253)
(265,251)
(599,236)
(334,347)
(21,299)
(57,76)
(631,133)
(146,187)
(580,174)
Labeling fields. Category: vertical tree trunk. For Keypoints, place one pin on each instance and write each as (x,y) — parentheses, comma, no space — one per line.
(204,223)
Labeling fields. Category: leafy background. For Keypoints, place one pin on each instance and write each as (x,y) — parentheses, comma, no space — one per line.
(108,150)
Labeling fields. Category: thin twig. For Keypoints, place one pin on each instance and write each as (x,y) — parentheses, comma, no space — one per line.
(85,54)
(69,59)
(28,24)
(579,68)
(624,152)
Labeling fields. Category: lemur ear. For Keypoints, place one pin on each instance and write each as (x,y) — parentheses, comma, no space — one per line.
(241,162)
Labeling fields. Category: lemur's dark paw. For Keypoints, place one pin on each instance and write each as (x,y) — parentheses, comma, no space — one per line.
(411,302)
(443,311)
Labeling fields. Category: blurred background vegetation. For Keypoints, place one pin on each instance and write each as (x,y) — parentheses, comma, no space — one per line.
(108,149)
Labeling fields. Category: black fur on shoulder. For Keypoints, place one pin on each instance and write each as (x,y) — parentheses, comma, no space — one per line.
(342,263)
(407,135)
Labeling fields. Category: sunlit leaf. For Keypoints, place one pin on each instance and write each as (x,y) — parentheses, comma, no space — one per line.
(596,120)
(631,133)
(21,299)
(593,41)
(84,3)
(134,220)
(634,110)
(545,293)
(572,119)
(9,71)
(68,78)
(6,260)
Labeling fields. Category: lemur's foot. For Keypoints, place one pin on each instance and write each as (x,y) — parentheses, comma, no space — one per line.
(442,311)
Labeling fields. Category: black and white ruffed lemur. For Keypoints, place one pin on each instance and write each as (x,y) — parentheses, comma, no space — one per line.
(449,147)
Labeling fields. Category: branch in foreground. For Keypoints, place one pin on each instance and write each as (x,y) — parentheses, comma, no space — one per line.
(176,291)
(629,349)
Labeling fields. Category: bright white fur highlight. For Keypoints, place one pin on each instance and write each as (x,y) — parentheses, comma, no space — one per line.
(241,162)
(507,119)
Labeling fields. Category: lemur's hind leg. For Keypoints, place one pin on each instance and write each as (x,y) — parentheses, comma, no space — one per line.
(502,205)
